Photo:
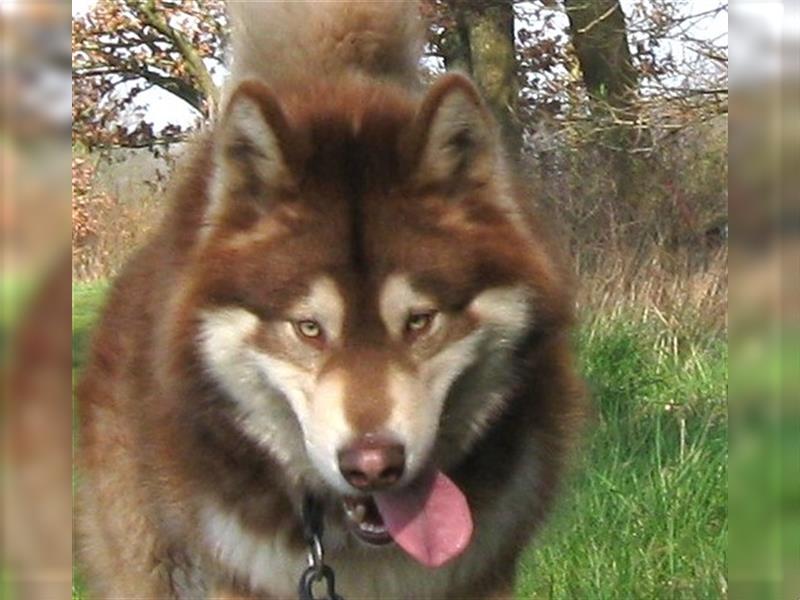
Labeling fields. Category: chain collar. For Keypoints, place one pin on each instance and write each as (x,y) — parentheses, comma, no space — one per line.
(317,570)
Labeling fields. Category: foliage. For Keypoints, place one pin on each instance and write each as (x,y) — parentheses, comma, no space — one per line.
(673,199)
(123,48)
(681,76)
(85,198)
(115,205)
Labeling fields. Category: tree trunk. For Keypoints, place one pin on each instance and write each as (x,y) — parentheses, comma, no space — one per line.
(600,39)
(601,44)
(482,45)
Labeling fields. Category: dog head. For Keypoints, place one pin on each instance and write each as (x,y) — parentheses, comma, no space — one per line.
(363,277)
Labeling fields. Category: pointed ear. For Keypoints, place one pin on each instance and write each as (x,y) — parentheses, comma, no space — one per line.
(453,139)
(253,144)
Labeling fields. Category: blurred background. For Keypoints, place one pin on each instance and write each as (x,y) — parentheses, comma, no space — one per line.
(35,290)
(617,113)
(764,503)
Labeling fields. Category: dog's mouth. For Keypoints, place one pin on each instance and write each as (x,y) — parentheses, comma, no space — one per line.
(365,520)
(429,518)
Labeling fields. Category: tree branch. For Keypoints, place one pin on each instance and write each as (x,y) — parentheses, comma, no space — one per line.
(173,85)
(599,19)
(195,64)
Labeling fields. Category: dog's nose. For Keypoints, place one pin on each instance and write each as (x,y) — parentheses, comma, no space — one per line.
(372,462)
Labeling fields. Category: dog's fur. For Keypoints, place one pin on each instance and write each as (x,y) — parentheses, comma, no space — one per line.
(334,187)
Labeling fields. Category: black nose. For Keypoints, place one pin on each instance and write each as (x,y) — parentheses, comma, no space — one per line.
(372,462)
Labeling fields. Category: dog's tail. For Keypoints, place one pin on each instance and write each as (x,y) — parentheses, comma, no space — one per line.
(282,41)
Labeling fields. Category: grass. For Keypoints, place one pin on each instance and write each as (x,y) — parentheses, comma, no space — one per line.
(87,300)
(644,514)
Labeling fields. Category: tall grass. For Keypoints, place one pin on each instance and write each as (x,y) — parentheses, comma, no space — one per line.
(684,292)
(645,513)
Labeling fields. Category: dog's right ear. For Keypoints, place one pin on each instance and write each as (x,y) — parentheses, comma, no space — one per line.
(253,149)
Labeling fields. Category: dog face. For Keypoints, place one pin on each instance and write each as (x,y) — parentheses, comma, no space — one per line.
(361,278)
(346,376)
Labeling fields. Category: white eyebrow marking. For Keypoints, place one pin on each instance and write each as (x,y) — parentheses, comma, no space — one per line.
(504,308)
(324,303)
(397,299)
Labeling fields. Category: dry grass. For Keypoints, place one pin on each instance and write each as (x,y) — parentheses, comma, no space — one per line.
(685,293)
(116,204)
(122,227)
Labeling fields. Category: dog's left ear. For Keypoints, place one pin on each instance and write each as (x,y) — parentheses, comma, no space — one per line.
(453,140)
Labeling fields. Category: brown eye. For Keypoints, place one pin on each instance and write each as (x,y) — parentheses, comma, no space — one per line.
(308,328)
(420,322)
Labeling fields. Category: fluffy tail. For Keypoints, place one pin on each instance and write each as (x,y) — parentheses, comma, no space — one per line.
(283,41)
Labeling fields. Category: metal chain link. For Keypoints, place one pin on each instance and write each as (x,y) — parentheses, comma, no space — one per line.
(317,570)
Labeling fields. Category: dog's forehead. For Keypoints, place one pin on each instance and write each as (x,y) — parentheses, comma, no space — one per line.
(355,142)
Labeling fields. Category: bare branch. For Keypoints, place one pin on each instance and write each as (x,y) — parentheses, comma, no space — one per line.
(195,63)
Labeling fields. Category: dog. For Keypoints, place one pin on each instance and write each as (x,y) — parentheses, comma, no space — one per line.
(351,304)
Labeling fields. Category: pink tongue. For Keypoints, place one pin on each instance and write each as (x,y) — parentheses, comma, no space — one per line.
(431,520)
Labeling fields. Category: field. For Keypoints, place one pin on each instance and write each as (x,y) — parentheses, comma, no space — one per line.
(644,514)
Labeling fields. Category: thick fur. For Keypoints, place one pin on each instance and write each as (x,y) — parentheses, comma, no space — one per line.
(329,187)
(282,41)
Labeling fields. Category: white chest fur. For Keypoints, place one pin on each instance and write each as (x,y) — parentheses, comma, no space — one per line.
(267,564)
(264,562)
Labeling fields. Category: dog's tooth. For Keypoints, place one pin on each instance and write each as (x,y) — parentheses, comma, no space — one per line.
(359,513)
(355,512)
(372,528)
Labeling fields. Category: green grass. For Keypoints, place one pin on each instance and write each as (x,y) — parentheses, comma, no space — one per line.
(87,300)
(644,514)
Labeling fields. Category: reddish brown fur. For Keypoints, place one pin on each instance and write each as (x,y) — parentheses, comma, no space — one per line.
(155,429)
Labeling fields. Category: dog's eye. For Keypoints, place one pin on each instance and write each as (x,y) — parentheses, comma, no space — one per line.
(308,328)
(420,322)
